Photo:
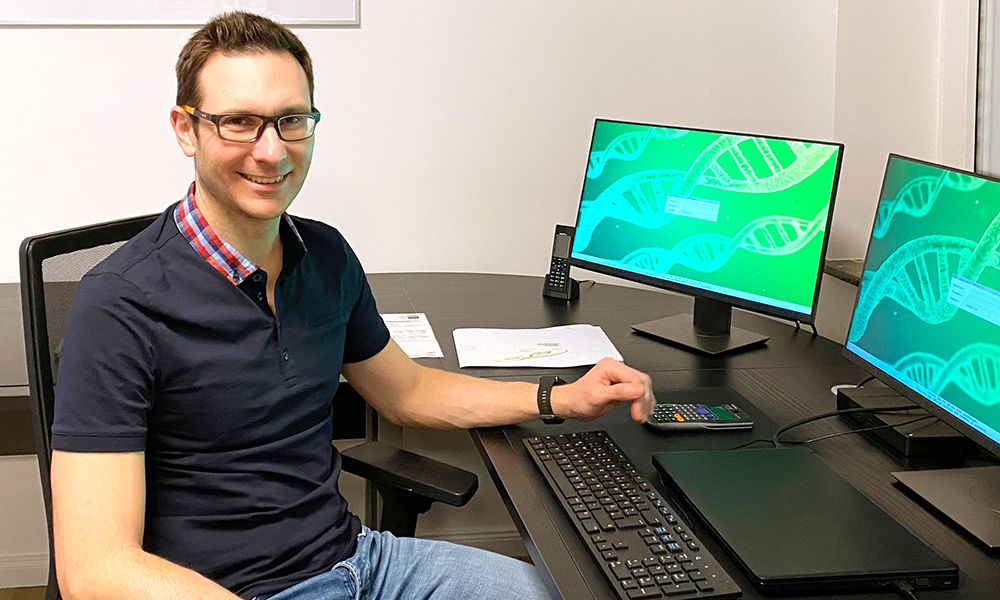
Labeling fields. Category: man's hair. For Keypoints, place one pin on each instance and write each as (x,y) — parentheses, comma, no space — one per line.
(234,33)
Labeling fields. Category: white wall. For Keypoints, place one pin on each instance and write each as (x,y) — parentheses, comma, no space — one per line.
(906,83)
(455,133)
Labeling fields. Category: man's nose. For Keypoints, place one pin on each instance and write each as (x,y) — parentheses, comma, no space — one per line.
(269,148)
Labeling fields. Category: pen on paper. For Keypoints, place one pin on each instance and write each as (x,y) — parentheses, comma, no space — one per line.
(529,354)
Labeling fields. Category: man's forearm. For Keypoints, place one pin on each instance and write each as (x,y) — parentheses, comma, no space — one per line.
(445,400)
(134,573)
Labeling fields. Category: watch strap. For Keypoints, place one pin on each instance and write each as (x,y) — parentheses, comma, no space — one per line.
(545,385)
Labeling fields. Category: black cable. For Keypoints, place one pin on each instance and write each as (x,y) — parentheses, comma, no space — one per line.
(751,442)
(864,381)
(778,433)
(813,325)
(904,589)
(853,431)
(798,324)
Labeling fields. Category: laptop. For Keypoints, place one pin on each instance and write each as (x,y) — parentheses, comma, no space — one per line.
(795,526)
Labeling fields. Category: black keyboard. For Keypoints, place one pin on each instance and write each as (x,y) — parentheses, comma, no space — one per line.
(644,549)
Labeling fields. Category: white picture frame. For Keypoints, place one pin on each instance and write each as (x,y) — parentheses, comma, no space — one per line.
(173,13)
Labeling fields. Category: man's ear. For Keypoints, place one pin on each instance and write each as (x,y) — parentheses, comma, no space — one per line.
(183,125)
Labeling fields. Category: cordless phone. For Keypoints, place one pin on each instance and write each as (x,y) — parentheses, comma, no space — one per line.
(558,283)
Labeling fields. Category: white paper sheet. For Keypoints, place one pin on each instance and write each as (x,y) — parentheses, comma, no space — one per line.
(583,344)
(413,333)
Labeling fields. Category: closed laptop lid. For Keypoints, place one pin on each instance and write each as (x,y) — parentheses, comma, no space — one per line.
(794,524)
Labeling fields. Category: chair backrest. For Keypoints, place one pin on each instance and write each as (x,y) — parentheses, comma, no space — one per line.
(51,267)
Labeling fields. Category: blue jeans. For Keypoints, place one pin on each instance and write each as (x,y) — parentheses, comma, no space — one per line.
(389,568)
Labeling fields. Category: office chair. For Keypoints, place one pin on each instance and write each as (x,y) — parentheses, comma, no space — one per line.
(51,267)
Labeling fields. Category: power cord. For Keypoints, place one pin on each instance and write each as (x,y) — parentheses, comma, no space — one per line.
(860,384)
(777,434)
(853,431)
(904,589)
(838,434)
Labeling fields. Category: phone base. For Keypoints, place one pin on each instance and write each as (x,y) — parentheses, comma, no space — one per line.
(572,290)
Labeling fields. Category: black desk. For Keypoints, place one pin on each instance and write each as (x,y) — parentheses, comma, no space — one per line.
(788,380)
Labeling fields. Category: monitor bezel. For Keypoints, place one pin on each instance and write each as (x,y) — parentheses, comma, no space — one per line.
(895,384)
(694,291)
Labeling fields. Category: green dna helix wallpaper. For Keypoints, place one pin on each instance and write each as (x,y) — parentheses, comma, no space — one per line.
(735,214)
(928,310)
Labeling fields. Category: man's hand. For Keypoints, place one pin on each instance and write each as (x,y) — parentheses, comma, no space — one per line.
(601,389)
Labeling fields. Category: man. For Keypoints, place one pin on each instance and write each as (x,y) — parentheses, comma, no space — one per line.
(192,454)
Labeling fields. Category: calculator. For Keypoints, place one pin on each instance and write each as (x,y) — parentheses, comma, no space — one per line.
(679,417)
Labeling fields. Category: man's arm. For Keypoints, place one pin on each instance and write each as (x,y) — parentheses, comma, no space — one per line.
(98,510)
(411,395)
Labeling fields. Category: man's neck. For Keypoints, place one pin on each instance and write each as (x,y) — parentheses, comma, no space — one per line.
(257,240)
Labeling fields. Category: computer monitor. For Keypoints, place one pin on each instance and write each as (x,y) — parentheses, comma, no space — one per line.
(927,317)
(732,219)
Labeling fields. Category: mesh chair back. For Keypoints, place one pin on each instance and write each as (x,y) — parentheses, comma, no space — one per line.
(51,267)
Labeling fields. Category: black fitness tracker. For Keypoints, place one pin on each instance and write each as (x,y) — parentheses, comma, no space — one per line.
(545,385)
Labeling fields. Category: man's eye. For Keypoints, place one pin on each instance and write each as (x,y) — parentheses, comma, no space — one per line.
(237,122)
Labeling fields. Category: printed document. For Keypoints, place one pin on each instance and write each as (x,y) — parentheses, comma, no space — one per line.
(557,347)
(414,335)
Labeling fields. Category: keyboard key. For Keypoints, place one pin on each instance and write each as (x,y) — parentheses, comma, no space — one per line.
(602,518)
(620,570)
(644,593)
(681,589)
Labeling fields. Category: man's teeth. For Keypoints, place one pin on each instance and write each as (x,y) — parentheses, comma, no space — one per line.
(256,179)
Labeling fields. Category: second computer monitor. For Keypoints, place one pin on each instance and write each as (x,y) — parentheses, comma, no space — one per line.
(729,218)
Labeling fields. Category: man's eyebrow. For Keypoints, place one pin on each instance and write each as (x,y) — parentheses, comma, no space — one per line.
(299,109)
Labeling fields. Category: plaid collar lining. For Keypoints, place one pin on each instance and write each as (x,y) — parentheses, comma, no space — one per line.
(223,257)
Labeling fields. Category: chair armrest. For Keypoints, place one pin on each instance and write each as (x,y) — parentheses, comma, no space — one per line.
(435,480)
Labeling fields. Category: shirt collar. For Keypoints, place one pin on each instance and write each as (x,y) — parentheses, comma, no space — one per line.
(219,253)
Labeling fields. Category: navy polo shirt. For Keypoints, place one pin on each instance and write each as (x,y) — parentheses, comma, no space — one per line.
(232,405)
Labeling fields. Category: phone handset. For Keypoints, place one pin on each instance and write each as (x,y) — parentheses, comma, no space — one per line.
(558,283)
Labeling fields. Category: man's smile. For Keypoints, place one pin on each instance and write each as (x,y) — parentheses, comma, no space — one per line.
(256,179)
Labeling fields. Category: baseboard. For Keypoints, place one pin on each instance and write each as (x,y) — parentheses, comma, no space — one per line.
(506,543)
(24,570)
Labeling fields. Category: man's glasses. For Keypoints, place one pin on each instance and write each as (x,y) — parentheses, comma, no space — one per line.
(248,128)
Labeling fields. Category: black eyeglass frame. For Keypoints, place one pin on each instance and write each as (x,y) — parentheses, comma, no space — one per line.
(265,121)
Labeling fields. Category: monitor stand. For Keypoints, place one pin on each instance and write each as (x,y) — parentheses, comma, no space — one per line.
(709,332)
(969,497)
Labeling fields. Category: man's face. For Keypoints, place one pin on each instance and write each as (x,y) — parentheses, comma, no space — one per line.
(255,180)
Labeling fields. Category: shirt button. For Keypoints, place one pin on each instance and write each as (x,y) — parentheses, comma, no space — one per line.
(284,355)
(260,296)
(257,277)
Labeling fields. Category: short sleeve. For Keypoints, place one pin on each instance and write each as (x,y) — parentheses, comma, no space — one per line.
(367,334)
(106,377)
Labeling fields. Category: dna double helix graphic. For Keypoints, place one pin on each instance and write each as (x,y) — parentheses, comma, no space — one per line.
(628,146)
(975,369)
(641,198)
(918,196)
(708,252)
(918,275)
